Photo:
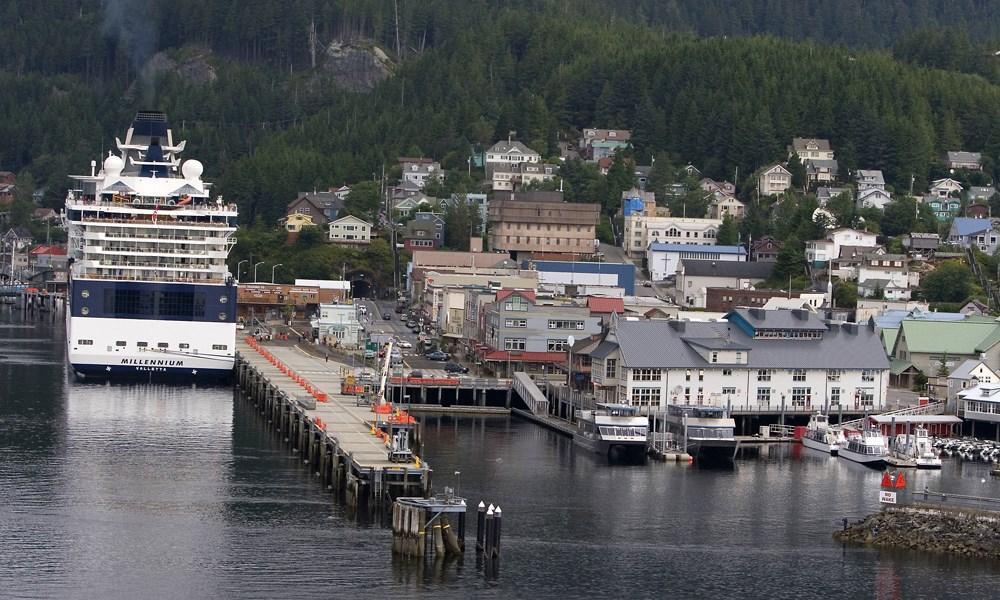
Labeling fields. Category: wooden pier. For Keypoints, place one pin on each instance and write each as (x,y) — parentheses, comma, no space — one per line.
(336,437)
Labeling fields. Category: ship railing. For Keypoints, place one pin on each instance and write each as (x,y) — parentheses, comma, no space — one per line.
(159,277)
(164,205)
(151,221)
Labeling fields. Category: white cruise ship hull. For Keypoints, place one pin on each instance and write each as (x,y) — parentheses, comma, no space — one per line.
(113,347)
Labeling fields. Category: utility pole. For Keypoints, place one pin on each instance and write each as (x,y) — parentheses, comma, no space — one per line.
(312,42)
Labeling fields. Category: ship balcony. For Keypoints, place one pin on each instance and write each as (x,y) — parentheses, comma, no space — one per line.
(159,238)
(148,223)
(97,251)
(149,265)
(159,205)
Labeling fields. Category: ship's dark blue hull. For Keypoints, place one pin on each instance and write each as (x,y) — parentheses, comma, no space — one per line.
(95,372)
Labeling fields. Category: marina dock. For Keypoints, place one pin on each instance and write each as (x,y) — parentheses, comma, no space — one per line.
(300,395)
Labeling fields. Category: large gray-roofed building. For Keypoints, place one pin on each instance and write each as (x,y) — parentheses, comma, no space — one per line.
(714,268)
(669,345)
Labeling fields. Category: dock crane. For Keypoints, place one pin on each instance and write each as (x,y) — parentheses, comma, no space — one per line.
(397,423)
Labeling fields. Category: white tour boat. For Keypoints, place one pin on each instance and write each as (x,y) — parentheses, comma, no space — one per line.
(821,436)
(612,428)
(918,448)
(867,447)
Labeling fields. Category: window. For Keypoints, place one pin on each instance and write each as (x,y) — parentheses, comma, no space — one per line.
(646,374)
(715,357)
(763,374)
(85,342)
(687,375)
(515,323)
(556,345)
(219,347)
(701,374)
(565,324)
(728,391)
(120,344)
(183,346)
(868,375)
(517,303)
(141,344)
(162,345)
(739,357)
(801,396)
(866,397)
(687,395)
(646,396)
(833,375)
(834,396)
(798,375)
(513,344)
(611,368)
(727,372)
(763,395)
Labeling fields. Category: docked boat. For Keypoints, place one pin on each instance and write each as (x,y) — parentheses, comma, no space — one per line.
(149,290)
(821,436)
(918,448)
(612,430)
(704,432)
(867,447)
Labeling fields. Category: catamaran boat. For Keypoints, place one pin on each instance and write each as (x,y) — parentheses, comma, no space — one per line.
(705,432)
(917,447)
(611,428)
(821,436)
(867,447)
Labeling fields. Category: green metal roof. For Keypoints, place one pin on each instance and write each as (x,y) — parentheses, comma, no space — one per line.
(897,366)
(953,337)
(889,335)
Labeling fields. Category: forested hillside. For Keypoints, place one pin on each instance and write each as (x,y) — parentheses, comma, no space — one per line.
(466,73)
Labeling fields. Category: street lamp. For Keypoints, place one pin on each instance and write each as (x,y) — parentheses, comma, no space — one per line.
(272,271)
(255,271)
(239,268)
(570,340)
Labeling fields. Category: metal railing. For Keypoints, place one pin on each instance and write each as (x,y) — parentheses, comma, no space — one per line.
(532,396)
(781,430)
(932,408)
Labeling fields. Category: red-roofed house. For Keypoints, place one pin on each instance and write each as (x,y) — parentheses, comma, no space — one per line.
(601,305)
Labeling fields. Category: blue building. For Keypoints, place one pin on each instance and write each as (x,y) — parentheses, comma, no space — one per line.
(587,277)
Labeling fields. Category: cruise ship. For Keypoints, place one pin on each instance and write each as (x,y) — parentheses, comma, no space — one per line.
(149,290)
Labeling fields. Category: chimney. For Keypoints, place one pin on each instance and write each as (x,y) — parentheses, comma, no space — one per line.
(678,325)
(757,313)
(801,314)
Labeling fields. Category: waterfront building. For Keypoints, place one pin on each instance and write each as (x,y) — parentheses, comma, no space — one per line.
(338,325)
(757,360)
(695,277)
(663,259)
(933,346)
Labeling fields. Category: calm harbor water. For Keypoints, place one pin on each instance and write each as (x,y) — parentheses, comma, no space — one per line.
(152,491)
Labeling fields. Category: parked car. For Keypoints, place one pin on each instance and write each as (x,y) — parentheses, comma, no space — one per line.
(370,354)
(416,374)
(404,344)
(387,316)
(647,283)
(455,368)
(437,355)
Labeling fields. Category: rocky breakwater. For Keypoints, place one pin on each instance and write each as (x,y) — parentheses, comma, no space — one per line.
(965,532)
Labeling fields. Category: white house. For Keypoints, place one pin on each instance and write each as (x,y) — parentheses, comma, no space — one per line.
(338,325)
(695,277)
(873,198)
(819,252)
(510,151)
(758,361)
(350,230)
(980,404)
(641,231)
(774,180)
(419,172)
(968,375)
(942,188)
(964,160)
(870,180)
(723,204)
(811,149)
(663,259)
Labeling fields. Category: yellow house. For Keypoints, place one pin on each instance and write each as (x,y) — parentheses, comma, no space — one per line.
(296,221)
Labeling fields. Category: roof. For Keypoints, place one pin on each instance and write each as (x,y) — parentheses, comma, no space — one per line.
(321,200)
(964,370)
(831,192)
(966,226)
(660,344)
(773,167)
(889,335)
(871,176)
(727,268)
(778,319)
(504,147)
(658,247)
(952,337)
(897,366)
(601,304)
(528,295)
(914,419)
(816,163)
(981,191)
(964,157)
(351,218)
(51,250)
(446,258)
(803,143)
(603,349)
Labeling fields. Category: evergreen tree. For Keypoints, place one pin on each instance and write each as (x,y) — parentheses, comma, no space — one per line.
(728,234)
(790,263)
(798,171)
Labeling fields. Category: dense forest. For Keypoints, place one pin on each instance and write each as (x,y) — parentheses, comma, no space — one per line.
(267,123)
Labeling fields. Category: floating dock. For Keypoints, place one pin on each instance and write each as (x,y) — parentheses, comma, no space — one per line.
(335,436)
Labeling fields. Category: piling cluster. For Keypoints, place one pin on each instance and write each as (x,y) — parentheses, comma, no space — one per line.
(420,529)
(489,523)
(966,532)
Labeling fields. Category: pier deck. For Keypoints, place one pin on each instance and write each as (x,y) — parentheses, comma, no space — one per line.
(339,425)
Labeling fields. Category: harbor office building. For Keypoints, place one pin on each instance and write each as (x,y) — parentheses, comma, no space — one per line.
(756,362)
